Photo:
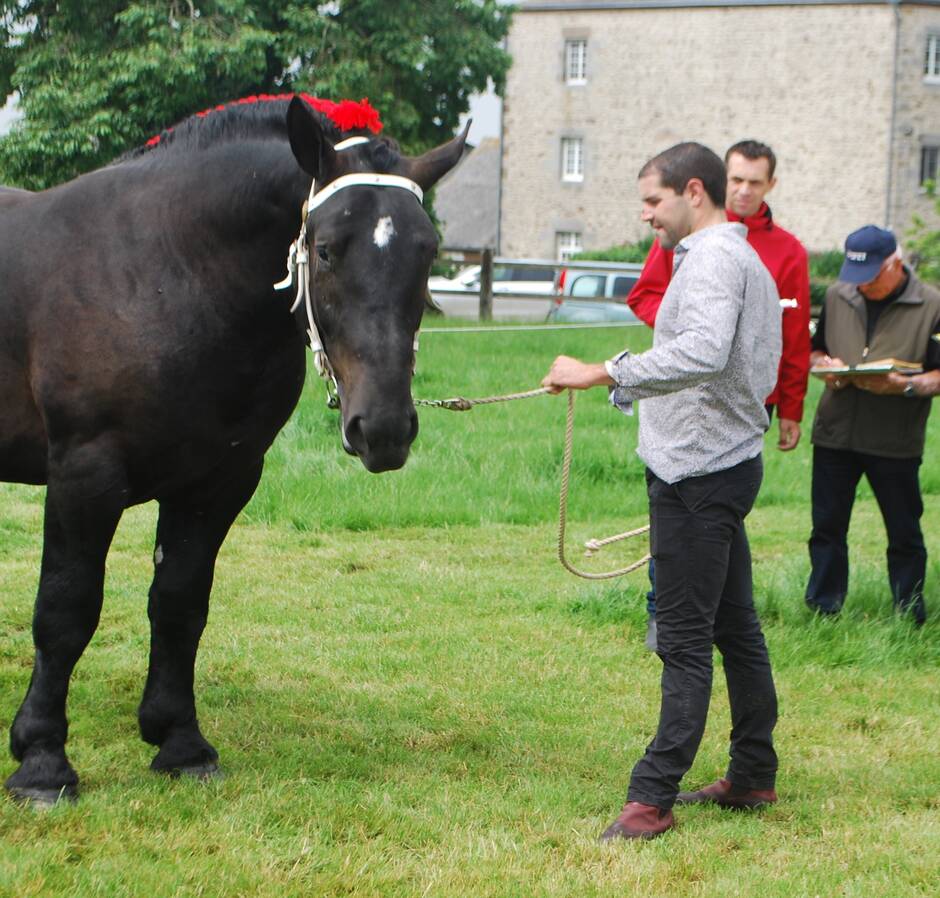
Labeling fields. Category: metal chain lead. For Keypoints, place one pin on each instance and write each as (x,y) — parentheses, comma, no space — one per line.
(459,404)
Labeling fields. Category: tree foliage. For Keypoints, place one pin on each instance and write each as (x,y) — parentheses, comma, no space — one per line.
(98,77)
(924,242)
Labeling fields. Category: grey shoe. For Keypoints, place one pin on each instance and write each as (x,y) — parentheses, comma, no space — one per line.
(650,642)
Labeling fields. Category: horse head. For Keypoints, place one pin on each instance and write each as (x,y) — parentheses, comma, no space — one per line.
(370,245)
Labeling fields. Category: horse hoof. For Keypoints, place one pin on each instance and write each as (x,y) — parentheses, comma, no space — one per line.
(42,799)
(202,772)
(208,770)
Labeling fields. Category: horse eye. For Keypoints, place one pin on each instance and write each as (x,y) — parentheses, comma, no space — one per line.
(323,256)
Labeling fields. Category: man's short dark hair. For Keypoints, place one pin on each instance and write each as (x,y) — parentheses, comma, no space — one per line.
(754,149)
(679,164)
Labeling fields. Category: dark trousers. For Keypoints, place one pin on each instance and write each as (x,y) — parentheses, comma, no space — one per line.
(651,567)
(895,483)
(704,596)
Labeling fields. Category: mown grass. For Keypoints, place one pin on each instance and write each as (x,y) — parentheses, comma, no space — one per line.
(412,698)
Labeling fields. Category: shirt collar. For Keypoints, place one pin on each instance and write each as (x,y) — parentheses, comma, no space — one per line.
(732,227)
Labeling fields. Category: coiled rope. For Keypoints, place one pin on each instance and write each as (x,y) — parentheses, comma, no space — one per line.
(460,404)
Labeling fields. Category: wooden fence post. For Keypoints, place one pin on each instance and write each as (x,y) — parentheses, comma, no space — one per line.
(486,285)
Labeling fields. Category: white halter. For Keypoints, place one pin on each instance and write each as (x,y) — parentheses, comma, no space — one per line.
(298,259)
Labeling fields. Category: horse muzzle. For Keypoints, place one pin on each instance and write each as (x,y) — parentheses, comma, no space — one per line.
(381,441)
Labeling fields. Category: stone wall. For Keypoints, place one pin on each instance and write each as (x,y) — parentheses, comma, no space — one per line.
(812,81)
(917,121)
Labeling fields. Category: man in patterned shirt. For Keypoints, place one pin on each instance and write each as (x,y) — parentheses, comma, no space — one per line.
(714,360)
(751,169)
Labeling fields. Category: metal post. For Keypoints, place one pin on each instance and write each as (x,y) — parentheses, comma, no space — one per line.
(486,285)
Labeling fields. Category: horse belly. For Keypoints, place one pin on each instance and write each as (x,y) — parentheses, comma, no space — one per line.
(23,445)
(203,433)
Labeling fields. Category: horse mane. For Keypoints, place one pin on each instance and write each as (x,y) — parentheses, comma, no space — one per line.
(265,116)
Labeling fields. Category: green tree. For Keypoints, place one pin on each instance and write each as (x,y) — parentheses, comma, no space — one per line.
(924,243)
(98,77)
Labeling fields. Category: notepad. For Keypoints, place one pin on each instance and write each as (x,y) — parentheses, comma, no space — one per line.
(881,366)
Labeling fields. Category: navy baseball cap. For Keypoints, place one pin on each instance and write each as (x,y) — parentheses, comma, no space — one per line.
(865,252)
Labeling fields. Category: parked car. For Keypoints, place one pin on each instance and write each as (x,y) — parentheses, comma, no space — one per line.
(506,279)
(458,297)
(575,286)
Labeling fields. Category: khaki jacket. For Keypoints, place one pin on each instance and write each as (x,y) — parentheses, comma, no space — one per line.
(890,426)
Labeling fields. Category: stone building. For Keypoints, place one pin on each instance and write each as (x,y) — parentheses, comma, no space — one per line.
(847,94)
(466,202)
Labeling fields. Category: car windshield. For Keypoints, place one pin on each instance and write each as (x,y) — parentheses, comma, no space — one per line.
(533,274)
(507,273)
(588,285)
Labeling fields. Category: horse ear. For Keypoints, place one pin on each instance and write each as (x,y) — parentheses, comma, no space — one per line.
(428,169)
(310,145)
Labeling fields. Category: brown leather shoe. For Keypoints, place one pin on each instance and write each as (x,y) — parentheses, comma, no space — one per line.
(639,821)
(726,795)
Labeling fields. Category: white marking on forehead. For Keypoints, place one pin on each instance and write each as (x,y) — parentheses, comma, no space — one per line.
(384,231)
(158,555)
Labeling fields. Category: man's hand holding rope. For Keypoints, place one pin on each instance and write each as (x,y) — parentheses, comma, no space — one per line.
(567,373)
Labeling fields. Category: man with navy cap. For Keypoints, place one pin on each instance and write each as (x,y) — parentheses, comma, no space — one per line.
(873,424)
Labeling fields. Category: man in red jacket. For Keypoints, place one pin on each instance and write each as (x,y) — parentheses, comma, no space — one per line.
(750,178)
(750,167)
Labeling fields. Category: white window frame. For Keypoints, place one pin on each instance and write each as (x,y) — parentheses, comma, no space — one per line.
(932,59)
(572,159)
(925,176)
(576,61)
(567,244)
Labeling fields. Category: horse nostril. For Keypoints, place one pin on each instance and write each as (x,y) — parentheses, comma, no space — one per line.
(413,432)
(354,434)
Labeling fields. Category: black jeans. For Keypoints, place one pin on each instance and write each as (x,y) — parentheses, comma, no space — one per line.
(704,596)
(895,483)
(651,567)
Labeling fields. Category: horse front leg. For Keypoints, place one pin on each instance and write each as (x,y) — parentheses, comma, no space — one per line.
(189,535)
(84,502)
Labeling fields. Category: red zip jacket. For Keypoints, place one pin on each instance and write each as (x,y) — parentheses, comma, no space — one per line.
(787,262)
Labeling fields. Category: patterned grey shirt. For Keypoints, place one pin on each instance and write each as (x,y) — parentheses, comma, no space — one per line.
(716,349)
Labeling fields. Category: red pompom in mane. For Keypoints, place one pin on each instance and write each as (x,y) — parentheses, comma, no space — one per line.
(347,115)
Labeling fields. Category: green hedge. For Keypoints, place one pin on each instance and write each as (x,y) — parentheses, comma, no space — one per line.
(823,270)
(625,252)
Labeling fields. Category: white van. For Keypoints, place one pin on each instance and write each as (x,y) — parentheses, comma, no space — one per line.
(506,279)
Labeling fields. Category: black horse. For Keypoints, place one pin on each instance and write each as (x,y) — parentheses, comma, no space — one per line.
(144,354)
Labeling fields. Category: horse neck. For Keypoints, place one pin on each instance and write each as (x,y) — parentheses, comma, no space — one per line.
(238,206)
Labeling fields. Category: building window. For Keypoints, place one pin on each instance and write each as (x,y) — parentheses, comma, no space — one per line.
(576,62)
(572,159)
(929,164)
(932,59)
(567,244)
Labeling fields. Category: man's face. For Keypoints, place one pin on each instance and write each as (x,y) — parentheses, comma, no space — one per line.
(668,213)
(885,282)
(749,182)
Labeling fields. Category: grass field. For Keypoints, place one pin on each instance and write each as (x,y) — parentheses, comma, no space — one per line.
(410,697)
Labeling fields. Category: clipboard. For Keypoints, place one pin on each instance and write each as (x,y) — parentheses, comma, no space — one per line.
(881,366)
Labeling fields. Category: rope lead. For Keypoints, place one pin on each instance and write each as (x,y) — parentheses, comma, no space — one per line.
(460,404)
(592,545)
